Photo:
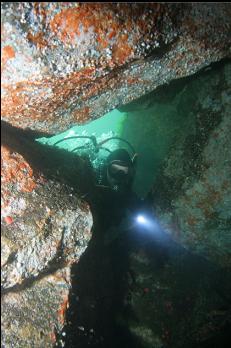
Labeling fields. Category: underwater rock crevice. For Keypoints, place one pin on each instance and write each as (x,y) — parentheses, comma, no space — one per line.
(69,63)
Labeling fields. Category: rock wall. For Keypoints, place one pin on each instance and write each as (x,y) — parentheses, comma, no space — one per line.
(181,133)
(176,299)
(192,194)
(178,292)
(67,63)
(46,227)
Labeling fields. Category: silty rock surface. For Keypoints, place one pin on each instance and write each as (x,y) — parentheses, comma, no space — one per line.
(45,229)
(192,194)
(175,300)
(67,63)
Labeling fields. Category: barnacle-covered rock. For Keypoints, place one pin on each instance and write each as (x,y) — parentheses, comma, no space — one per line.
(46,227)
(46,233)
(67,63)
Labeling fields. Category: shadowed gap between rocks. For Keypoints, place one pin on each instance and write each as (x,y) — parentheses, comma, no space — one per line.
(94,316)
(100,307)
(100,288)
(100,280)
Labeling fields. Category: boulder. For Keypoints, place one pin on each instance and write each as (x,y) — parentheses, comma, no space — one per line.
(68,63)
(46,227)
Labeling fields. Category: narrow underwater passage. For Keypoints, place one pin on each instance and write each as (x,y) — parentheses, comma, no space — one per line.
(166,284)
(116,175)
(132,288)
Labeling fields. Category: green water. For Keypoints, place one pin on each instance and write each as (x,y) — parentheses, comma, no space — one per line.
(108,126)
(150,128)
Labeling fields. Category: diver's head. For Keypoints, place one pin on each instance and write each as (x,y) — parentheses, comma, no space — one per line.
(120,170)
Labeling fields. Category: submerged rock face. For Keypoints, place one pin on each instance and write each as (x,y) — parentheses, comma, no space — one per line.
(185,158)
(179,288)
(45,229)
(193,193)
(176,299)
(34,316)
(66,63)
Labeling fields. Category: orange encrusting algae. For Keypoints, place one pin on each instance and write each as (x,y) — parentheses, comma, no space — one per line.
(8,52)
(37,39)
(67,26)
(121,52)
(81,115)
(62,310)
(43,98)
(15,170)
(42,105)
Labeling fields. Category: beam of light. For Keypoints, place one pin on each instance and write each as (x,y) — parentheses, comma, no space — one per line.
(147,223)
(141,219)
(148,230)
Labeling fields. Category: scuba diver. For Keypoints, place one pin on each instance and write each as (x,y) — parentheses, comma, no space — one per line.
(118,199)
(119,172)
(116,173)
(113,197)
